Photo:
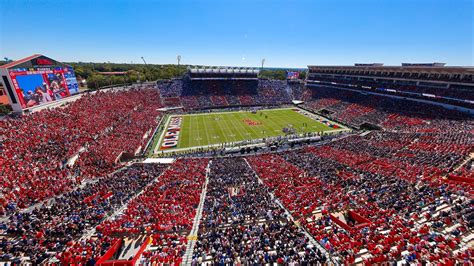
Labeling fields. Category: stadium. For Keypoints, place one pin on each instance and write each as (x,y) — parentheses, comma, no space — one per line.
(353,164)
(273,140)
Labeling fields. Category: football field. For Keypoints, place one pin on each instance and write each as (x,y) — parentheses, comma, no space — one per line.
(198,130)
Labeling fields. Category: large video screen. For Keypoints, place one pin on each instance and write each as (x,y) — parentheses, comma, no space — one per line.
(292,75)
(43,85)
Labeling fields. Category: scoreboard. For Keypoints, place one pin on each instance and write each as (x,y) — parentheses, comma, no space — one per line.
(38,81)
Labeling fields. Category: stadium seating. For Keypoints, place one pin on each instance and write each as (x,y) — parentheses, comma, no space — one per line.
(401,211)
(170,88)
(165,210)
(355,108)
(97,127)
(389,74)
(238,207)
(402,193)
(195,94)
(297,90)
(455,94)
(51,227)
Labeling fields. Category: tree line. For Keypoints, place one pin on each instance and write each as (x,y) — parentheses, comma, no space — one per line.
(91,72)
(134,73)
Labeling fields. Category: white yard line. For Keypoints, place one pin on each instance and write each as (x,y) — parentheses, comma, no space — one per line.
(234,128)
(219,128)
(198,130)
(205,130)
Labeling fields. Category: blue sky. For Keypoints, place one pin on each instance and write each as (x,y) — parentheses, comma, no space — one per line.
(289,33)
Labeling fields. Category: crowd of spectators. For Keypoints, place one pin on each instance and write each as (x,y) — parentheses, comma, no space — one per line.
(422,75)
(165,210)
(242,224)
(396,181)
(467,170)
(35,149)
(453,94)
(224,92)
(207,93)
(170,88)
(53,226)
(129,134)
(400,194)
(297,89)
(355,108)
(273,92)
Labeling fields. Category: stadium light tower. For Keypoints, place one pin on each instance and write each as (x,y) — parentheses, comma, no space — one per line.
(179,59)
(143,60)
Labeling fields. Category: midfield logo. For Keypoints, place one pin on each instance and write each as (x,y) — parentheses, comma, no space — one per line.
(251,122)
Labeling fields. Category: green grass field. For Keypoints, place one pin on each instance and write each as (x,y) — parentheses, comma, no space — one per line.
(215,128)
